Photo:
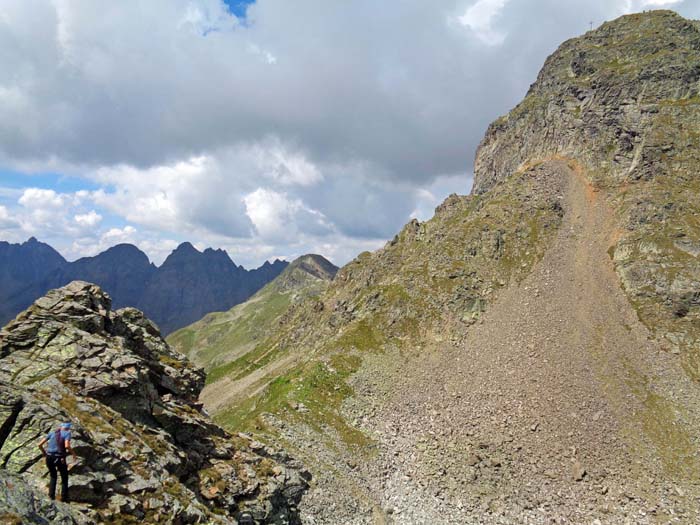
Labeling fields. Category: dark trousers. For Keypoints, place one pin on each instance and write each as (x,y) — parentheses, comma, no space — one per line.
(57,464)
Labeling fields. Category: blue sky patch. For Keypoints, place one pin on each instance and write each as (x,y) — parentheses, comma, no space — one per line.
(50,181)
(238,7)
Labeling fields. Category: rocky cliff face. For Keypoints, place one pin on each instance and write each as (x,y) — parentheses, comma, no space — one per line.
(624,101)
(148,453)
(188,285)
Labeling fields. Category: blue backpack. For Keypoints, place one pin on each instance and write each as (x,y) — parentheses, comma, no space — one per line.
(60,442)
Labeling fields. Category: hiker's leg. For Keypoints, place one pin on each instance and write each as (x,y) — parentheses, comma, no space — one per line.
(63,469)
(52,474)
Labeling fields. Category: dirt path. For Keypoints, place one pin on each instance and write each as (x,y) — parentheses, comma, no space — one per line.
(558,408)
(226,391)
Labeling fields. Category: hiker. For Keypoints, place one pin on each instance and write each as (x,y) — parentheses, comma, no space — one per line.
(55,453)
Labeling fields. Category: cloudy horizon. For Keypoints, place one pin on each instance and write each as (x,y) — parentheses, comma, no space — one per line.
(269,128)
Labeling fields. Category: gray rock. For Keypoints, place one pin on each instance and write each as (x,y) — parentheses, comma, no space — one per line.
(146,448)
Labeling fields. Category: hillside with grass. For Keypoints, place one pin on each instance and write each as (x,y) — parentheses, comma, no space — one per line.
(218,340)
(529,353)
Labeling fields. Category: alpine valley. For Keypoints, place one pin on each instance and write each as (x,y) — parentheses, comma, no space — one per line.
(530,354)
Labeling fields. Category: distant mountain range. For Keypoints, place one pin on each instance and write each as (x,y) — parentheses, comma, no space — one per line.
(225,341)
(188,285)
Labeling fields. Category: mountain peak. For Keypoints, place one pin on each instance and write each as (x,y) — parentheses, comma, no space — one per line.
(599,95)
(186,247)
(185,287)
(125,250)
(315,265)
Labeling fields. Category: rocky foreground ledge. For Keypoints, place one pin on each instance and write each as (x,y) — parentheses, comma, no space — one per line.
(147,451)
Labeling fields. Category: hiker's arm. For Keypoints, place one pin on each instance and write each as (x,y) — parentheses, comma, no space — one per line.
(70,449)
(41,446)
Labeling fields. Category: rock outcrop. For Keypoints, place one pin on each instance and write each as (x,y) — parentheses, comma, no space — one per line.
(624,101)
(24,504)
(147,451)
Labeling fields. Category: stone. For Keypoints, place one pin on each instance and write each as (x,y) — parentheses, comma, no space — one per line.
(578,472)
(140,433)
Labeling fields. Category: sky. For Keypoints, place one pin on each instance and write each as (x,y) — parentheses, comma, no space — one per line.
(268,128)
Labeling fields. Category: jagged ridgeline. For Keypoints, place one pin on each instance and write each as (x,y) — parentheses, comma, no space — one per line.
(148,453)
(618,108)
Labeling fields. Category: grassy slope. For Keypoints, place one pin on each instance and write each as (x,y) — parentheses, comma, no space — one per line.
(432,275)
(221,338)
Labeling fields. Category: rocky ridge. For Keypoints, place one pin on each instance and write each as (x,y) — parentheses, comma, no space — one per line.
(147,451)
(624,101)
(220,338)
(493,365)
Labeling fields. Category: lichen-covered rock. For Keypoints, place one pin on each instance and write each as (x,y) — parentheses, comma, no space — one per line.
(624,102)
(146,449)
(23,504)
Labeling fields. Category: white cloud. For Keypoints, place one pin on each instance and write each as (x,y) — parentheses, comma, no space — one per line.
(7,222)
(284,166)
(89,220)
(192,125)
(203,193)
(44,210)
(48,214)
(119,235)
(41,199)
(479,18)
(151,196)
(276,217)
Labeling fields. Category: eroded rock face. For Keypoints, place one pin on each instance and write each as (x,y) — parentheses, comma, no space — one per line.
(147,450)
(624,102)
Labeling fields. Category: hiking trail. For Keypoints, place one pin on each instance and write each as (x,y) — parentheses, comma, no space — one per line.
(558,406)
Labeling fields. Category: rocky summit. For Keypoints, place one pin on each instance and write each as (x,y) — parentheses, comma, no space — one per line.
(530,354)
(147,451)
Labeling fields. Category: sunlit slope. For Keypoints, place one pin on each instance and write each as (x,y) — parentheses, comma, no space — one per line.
(220,338)
(426,285)
(506,329)
(624,101)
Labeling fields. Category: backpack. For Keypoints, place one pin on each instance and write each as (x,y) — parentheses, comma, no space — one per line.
(60,442)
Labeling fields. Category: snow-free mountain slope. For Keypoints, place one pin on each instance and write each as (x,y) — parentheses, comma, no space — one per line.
(188,285)
(530,353)
(220,338)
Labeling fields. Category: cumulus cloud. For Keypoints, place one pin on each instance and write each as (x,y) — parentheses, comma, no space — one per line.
(331,122)
(479,18)
(277,217)
(90,219)
(41,199)
(7,222)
